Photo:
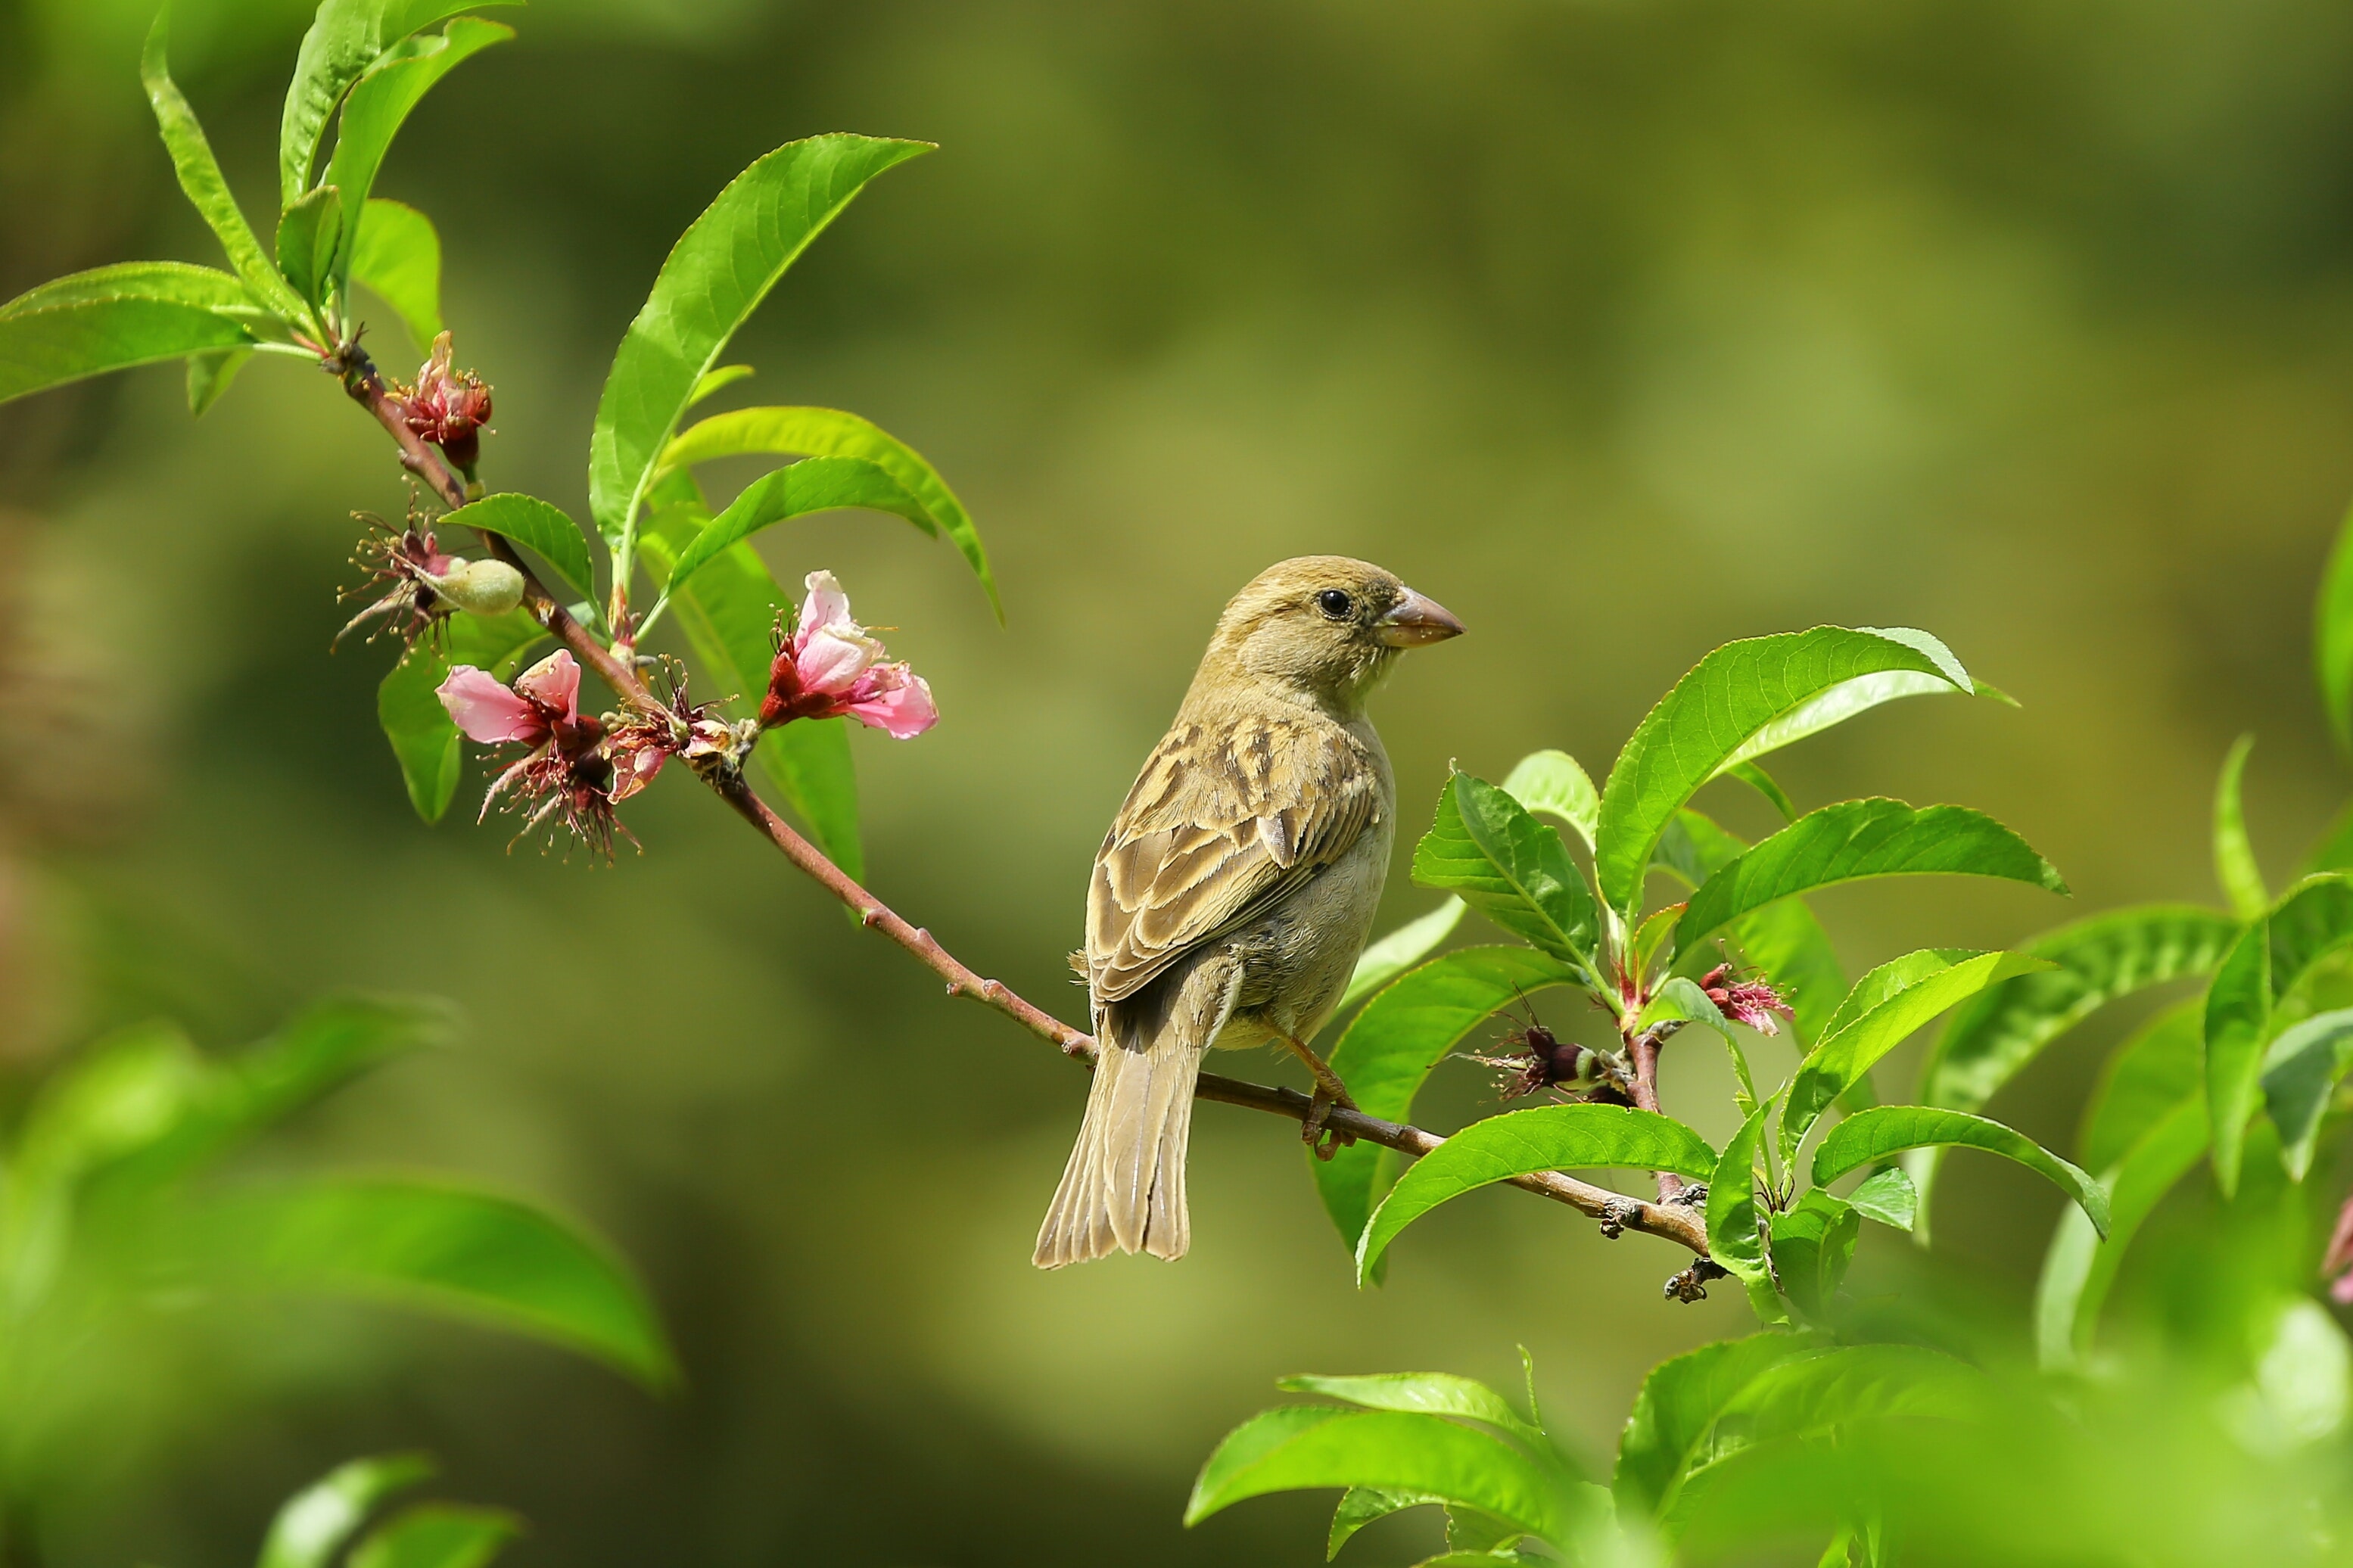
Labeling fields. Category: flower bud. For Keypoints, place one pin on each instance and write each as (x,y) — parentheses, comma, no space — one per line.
(480,587)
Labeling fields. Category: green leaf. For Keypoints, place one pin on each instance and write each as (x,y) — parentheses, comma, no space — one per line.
(1997,1032)
(1739,702)
(325,1047)
(1735,1234)
(1475,1539)
(345,40)
(1760,780)
(1400,950)
(209,375)
(1812,1244)
(727,611)
(2080,1265)
(310,244)
(424,739)
(121,1095)
(438,1536)
(157,282)
(380,100)
(721,269)
(200,177)
(1300,1447)
(1882,1011)
(535,525)
(118,317)
(1360,1506)
(1828,1394)
(1553,782)
(2332,637)
(712,381)
(2301,1071)
(1858,839)
(2238,1020)
(1521,1142)
(398,256)
(811,485)
(1788,946)
(1783,941)
(1484,846)
(1389,1049)
(1887,1196)
(830,433)
(2095,961)
(2159,1065)
(2235,858)
(1872,1135)
(314,1524)
(446,1248)
(1429,1392)
(1676,1410)
(2312,920)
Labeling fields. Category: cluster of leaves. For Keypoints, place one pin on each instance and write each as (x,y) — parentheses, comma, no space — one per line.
(114,1208)
(1820,1422)
(1787,1239)
(366,65)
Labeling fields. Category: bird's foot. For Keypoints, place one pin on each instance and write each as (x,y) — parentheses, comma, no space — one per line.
(1326,1141)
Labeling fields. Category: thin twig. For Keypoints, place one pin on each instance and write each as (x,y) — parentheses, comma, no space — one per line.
(1674,1222)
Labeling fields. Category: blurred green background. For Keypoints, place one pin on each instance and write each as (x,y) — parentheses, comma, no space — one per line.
(1622,328)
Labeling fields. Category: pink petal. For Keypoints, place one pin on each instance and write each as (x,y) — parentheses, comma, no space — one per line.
(904,710)
(636,771)
(830,662)
(554,682)
(827,605)
(480,705)
(2339,1256)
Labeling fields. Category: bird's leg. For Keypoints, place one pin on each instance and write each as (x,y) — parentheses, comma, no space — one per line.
(1329,1091)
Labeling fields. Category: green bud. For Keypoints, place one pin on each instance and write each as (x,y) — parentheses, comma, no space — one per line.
(480,587)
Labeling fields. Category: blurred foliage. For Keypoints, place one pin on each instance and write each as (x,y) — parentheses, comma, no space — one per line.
(2028,326)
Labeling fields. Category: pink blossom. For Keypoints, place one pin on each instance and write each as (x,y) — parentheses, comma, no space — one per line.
(543,698)
(565,775)
(829,667)
(480,705)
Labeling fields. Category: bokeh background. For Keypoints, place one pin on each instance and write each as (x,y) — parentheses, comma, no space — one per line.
(1622,327)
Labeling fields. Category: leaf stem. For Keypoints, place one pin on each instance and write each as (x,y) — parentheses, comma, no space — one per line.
(1674,1222)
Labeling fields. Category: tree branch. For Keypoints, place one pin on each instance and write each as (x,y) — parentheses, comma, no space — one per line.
(1675,1221)
(1642,1050)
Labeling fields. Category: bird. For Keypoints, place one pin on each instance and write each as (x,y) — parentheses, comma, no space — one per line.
(1234,891)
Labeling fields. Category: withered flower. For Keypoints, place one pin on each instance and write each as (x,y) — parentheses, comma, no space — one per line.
(1535,1058)
(1750,1002)
(638,745)
(416,587)
(448,407)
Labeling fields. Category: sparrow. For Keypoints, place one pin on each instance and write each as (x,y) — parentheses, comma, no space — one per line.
(1232,896)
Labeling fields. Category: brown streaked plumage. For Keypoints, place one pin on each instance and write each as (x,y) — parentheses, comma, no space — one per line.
(1234,891)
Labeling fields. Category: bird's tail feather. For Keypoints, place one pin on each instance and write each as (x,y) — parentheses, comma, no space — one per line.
(1123,1188)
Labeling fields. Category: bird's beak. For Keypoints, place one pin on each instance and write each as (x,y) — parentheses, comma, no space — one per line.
(1416,621)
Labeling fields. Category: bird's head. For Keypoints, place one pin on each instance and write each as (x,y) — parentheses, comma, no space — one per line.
(1323,625)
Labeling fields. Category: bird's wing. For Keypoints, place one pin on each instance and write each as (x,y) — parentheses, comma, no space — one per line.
(1224,821)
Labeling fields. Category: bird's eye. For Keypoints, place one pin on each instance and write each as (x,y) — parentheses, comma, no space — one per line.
(1335,604)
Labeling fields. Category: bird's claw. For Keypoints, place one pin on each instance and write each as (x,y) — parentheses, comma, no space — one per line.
(1326,1140)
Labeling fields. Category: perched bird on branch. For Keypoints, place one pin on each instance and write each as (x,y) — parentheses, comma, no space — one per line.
(1235,889)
